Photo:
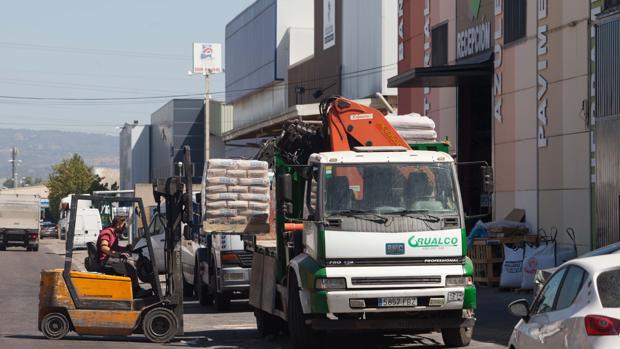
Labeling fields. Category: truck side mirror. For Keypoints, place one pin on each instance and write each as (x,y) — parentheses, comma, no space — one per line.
(488,184)
(285,188)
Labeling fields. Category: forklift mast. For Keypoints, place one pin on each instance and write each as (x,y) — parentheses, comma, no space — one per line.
(176,193)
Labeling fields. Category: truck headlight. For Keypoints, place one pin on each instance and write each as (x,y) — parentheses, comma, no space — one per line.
(330,284)
(459,281)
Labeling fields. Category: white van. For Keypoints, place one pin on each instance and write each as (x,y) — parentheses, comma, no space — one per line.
(87,227)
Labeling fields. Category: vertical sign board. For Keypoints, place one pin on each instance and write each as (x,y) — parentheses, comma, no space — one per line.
(207,58)
(401,30)
(329,23)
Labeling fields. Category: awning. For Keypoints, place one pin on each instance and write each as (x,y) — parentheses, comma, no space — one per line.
(445,76)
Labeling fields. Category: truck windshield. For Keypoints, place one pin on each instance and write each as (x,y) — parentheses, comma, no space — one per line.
(393,188)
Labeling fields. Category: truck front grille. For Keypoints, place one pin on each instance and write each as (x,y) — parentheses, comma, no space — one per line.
(396,280)
(245,258)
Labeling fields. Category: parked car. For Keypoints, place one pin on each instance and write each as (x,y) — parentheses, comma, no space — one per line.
(578,307)
(48,230)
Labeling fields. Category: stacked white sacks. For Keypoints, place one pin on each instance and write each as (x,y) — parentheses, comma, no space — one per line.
(413,128)
(237,191)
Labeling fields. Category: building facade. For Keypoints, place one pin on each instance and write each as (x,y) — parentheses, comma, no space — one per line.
(135,165)
(507,82)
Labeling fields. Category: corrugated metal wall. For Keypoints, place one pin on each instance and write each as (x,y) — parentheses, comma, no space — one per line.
(607,133)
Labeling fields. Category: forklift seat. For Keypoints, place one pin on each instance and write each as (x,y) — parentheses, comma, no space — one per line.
(91,262)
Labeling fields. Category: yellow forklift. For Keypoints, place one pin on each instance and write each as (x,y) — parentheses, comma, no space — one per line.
(97,303)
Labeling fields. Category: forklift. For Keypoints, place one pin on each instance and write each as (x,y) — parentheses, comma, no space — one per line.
(97,303)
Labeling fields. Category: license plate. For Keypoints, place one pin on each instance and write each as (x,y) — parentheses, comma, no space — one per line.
(398,302)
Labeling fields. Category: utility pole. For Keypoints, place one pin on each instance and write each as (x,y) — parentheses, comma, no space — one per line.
(14,166)
(207,119)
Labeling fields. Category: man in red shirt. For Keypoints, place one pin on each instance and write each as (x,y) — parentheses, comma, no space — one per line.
(115,256)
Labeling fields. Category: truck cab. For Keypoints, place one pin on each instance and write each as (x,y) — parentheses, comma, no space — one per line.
(382,247)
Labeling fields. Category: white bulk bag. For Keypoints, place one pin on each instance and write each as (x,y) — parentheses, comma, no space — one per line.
(512,267)
(410,121)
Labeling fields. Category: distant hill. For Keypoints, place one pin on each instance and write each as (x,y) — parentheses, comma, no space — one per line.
(39,150)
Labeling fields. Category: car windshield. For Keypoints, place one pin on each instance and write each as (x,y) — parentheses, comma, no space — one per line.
(603,250)
(608,284)
(392,188)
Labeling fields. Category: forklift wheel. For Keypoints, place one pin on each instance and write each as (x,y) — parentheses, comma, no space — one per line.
(55,326)
(160,325)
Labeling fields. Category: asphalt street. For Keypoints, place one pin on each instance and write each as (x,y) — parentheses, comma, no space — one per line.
(19,287)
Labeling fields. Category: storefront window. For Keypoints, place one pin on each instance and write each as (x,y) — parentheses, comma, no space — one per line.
(514,20)
(439,41)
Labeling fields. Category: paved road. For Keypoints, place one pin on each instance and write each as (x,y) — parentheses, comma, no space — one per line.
(19,286)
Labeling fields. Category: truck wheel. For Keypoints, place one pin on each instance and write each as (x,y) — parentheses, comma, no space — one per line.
(188,289)
(35,248)
(302,334)
(159,325)
(222,301)
(55,326)
(457,337)
(201,290)
(267,324)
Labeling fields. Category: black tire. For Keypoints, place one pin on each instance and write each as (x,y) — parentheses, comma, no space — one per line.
(188,289)
(35,248)
(222,301)
(2,247)
(201,290)
(302,335)
(160,325)
(457,337)
(55,326)
(28,248)
(267,324)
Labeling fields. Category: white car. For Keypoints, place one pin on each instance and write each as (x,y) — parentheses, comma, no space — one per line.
(579,307)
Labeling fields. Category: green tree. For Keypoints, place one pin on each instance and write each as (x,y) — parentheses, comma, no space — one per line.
(71,176)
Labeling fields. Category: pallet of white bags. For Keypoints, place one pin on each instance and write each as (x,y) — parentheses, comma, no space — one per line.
(246,229)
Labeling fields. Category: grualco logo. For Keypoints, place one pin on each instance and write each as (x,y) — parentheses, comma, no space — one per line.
(474,8)
(433,242)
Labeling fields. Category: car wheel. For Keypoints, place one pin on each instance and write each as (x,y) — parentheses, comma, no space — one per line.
(222,301)
(28,248)
(2,247)
(35,248)
(160,325)
(301,334)
(188,289)
(457,337)
(201,290)
(55,326)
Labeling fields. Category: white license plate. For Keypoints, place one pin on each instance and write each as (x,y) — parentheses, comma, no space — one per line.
(398,302)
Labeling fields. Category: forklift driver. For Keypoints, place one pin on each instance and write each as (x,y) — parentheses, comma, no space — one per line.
(116,257)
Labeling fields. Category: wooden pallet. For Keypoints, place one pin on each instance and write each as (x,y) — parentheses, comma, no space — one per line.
(246,229)
(487,255)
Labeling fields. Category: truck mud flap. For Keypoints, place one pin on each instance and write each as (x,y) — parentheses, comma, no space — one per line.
(391,324)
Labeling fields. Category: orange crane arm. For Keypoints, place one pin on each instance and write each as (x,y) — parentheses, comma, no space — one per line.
(352,124)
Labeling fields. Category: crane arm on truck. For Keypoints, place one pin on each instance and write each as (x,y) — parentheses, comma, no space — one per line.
(351,124)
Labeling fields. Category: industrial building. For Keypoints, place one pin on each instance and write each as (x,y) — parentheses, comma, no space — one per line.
(507,82)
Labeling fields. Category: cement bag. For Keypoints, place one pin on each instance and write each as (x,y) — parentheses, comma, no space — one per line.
(222,180)
(222,196)
(219,188)
(216,204)
(222,163)
(252,164)
(412,135)
(216,172)
(254,181)
(410,121)
(217,220)
(250,213)
(237,173)
(258,174)
(238,204)
(238,220)
(254,197)
(222,212)
(259,190)
(512,268)
(238,189)
(260,206)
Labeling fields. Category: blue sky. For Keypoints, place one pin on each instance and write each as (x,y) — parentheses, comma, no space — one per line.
(95,49)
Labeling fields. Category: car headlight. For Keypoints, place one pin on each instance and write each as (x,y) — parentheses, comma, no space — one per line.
(459,281)
(330,284)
